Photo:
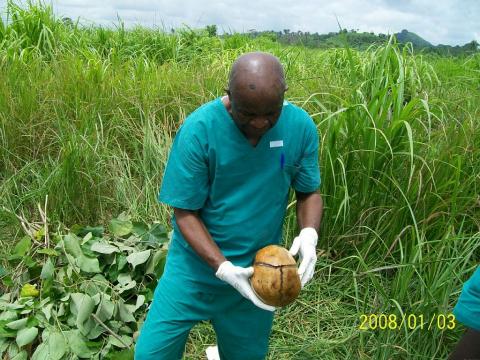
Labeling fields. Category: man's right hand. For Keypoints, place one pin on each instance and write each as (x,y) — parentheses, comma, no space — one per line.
(238,276)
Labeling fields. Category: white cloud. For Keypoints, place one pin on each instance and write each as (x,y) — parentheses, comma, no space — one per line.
(438,21)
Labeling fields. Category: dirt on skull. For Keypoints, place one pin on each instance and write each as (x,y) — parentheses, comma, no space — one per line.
(275,277)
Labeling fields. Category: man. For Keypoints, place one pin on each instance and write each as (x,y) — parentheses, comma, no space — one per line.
(467,311)
(227,178)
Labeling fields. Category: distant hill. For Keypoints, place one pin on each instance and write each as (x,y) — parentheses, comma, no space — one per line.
(406,36)
(361,40)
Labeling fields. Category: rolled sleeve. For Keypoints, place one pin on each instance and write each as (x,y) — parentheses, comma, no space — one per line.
(185,180)
(307,178)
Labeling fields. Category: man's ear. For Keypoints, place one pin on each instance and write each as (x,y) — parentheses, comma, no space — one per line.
(286,87)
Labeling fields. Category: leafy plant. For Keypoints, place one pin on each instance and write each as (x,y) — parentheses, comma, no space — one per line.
(85,294)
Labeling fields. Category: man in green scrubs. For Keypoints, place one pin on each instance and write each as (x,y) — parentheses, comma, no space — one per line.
(228,175)
(467,311)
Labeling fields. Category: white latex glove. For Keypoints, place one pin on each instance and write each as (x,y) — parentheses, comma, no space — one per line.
(212,353)
(305,244)
(238,276)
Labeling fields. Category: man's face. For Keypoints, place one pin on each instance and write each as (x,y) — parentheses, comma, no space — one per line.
(255,114)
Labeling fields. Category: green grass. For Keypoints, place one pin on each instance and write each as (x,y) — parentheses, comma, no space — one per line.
(87,117)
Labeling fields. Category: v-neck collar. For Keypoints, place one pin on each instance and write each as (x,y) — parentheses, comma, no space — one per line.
(239,134)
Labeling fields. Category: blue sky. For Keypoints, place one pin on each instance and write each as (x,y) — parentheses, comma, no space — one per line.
(452,22)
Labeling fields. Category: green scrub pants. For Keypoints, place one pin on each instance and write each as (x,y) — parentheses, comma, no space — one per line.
(242,329)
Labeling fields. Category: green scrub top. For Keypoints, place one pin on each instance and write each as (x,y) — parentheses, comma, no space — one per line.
(467,310)
(240,190)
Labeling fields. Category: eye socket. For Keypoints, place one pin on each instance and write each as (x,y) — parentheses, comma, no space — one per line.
(247,114)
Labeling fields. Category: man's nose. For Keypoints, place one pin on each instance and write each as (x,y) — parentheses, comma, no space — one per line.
(259,123)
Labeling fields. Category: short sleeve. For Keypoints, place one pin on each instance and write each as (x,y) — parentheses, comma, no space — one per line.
(467,310)
(185,180)
(307,178)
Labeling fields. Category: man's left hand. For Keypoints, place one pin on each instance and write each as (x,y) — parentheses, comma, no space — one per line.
(305,245)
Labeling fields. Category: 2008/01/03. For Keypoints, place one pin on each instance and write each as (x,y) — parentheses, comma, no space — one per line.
(410,321)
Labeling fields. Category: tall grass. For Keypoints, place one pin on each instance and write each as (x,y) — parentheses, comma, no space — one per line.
(87,117)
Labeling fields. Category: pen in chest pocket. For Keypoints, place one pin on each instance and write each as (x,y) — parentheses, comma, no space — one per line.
(282,160)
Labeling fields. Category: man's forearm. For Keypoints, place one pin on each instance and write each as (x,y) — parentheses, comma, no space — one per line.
(196,234)
(309,210)
(468,346)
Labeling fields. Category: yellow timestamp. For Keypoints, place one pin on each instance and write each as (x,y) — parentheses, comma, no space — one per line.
(407,321)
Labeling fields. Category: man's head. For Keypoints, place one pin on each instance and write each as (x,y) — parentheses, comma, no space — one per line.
(256,89)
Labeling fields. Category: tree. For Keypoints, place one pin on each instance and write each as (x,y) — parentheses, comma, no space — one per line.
(212,30)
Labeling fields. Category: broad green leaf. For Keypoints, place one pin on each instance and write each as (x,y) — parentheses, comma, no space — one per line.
(95,332)
(43,302)
(130,308)
(26,311)
(123,247)
(125,283)
(13,350)
(41,352)
(121,261)
(121,226)
(86,238)
(72,245)
(70,268)
(61,310)
(22,355)
(7,280)
(126,340)
(77,343)
(40,233)
(86,248)
(29,290)
(26,336)
(156,235)
(124,313)
(29,261)
(125,279)
(127,354)
(17,324)
(122,288)
(138,258)
(71,321)
(3,345)
(148,294)
(88,264)
(15,306)
(105,309)
(47,270)
(45,334)
(96,298)
(47,311)
(140,302)
(96,231)
(139,228)
(54,347)
(7,333)
(158,259)
(104,248)
(22,247)
(57,346)
(97,284)
(115,325)
(8,315)
(82,306)
(48,251)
